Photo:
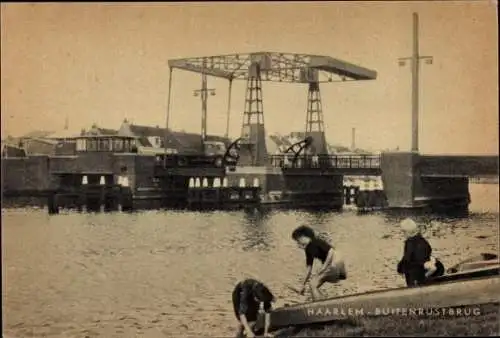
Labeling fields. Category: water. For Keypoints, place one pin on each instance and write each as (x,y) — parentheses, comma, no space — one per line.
(168,274)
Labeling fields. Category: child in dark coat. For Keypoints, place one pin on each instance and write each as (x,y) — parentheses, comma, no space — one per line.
(418,265)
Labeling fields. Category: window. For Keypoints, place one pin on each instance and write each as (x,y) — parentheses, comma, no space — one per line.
(126,146)
(118,145)
(92,144)
(104,145)
(81,144)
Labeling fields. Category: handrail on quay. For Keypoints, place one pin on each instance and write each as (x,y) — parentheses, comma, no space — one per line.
(326,161)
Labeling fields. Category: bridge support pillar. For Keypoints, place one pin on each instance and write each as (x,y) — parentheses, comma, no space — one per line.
(253,144)
(314,122)
(405,187)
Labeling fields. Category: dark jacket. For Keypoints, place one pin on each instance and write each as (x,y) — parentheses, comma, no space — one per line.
(417,251)
(247,296)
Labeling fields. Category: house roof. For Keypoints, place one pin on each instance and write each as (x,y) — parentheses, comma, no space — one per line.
(100,131)
(107,131)
(145,142)
(42,140)
(11,142)
(64,134)
(147,131)
(178,139)
(188,140)
(217,138)
(38,134)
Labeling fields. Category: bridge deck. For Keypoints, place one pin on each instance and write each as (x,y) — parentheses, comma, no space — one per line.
(427,165)
(453,166)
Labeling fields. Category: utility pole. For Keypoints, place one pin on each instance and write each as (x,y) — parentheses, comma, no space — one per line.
(353,139)
(203,93)
(415,70)
(228,116)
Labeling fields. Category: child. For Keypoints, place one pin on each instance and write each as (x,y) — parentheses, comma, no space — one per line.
(247,297)
(417,263)
(333,268)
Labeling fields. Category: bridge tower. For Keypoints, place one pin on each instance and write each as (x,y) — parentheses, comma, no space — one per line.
(253,150)
(314,121)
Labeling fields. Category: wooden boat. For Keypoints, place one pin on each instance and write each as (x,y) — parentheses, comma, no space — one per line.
(471,282)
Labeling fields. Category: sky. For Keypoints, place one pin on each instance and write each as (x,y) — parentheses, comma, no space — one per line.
(101,63)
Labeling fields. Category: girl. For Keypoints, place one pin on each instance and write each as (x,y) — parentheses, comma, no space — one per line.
(333,268)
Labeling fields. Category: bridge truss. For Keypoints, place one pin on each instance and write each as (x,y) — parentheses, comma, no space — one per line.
(274,67)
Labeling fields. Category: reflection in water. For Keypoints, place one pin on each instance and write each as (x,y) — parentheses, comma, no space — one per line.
(320,222)
(256,232)
(171,274)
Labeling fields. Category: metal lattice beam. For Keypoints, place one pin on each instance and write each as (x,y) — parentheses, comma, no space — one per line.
(276,67)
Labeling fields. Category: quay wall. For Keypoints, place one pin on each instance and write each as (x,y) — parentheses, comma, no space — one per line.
(398,178)
(144,169)
(407,187)
(42,173)
(405,184)
(268,178)
(274,179)
(30,174)
(443,187)
(90,163)
(276,184)
(125,164)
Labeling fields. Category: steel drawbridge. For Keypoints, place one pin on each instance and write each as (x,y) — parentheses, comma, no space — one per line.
(255,68)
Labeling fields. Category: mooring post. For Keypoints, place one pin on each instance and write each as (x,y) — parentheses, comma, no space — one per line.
(52,203)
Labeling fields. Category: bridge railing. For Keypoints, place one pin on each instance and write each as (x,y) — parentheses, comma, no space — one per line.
(279,161)
(327,161)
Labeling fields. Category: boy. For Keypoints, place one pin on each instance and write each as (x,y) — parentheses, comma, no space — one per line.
(417,263)
(333,268)
(247,296)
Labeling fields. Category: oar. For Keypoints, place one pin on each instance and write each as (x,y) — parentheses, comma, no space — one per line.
(481,257)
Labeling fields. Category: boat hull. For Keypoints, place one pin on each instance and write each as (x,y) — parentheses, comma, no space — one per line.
(468,288)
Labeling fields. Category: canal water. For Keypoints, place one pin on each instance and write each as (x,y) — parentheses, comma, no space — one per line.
(171,274)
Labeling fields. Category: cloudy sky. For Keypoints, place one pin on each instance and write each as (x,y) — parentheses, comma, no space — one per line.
(101,63)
